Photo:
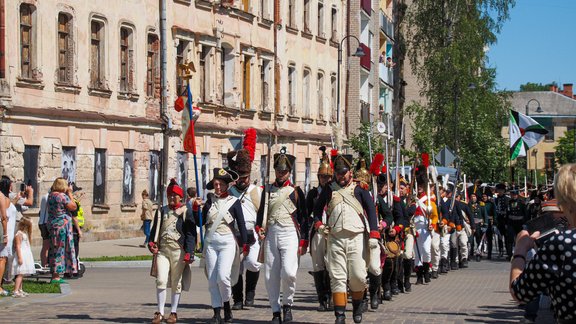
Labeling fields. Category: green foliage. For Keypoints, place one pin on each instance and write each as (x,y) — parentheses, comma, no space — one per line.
(530,86)
(565,148)
(37,287)
(446,43)
(359,142)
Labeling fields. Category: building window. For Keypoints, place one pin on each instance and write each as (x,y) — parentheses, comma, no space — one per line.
(224,158)
(182,176)
(65,49)
(31,169)
(205,73)
(320,95)
(181,52)
(246,5)
(97,54)
(99,196)
(307,174)
(204,173)
(306,94)
(307,16)
(292,90)
(263,169)
(333,98)
(26,41)
(246,84)
(321,32)
(265,81)
(549,161)
(126,59)
(152,74)
(334,25)
(292,13)
(264,9)
(228,67)
(128,178)
(154,175)
(548,125)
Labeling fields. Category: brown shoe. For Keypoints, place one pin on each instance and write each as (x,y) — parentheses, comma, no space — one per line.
(173,318)
(158,318)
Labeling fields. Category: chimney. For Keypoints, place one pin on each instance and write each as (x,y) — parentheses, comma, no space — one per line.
(553,88)
(567,90)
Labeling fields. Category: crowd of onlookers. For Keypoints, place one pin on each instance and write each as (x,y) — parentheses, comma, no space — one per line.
(60,221)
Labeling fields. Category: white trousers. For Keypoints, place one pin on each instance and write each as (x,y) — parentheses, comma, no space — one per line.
(459,240)
(445,246)
(423,241)
(281,264)
(435,258)
(170,265)
(318,252)
(250,262)
(220,254)
(346,261)
(408,247)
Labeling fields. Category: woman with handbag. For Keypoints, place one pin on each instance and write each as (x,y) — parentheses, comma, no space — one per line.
(224,219)
(172,241)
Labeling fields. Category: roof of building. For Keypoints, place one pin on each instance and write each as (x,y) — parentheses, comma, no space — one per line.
(552,103)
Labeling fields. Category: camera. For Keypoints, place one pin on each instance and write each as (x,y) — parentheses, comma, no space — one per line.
(22,186)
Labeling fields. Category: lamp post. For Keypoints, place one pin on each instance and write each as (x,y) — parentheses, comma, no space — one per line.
(359,53)
(538,110)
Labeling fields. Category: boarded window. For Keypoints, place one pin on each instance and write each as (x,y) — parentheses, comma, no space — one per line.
(181,59)
(306,94)
(246,84)
(321,32)
(333,98)
(320,95)
(307,175)
(154,175)
(99,196)
(128,178)
(97,54)
(151,65)
(26,41)
(65,48)
(68,167)
(182,176)
(205,73)
(126,60)
(292,90)
(31,169)
(246,5)
(263,169)
(265,81)
(334,25)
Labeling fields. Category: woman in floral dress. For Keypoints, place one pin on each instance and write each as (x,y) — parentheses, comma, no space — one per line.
(62,256)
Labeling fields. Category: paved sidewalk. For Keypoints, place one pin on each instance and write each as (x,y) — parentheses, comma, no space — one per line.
(124,247)
(117,295)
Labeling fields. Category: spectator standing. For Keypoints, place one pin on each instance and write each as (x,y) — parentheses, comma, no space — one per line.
(8,227)
(24,261)
(146,217)
(43,226)
(62,255)
(77,221)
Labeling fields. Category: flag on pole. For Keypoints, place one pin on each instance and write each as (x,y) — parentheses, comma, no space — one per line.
(189,117)
(524,132)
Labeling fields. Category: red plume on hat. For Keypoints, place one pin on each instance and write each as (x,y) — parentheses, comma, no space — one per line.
(249,143)
(376,164)
(426,159)
(384,169)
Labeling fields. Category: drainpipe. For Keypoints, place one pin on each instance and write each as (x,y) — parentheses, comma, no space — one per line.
(345,131)
(167,123)
(2,40)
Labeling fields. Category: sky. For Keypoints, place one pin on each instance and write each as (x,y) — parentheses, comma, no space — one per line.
(536,44)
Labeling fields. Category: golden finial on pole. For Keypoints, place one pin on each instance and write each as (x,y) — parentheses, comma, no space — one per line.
(185,70)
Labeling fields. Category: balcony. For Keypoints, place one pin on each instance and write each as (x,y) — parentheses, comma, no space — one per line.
(365,61)
(387,25)
(386,74)
(366,5)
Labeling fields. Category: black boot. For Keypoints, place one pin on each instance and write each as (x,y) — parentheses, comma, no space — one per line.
(216,319)
(276,319)
(464,263)
(426,272)
(237,294)
(394,279)
(320,290)
(453,263)
(419,276)
(327,290)
(387,295)
(443,266)
(287,313)
(357,311)
(251,281)
(340,313)
(434,274)
(408,265)
(374,284)
(227,313)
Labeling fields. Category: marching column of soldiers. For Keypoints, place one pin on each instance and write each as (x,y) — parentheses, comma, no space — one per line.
(365,245)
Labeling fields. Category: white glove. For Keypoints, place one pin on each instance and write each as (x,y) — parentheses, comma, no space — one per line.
(373,243)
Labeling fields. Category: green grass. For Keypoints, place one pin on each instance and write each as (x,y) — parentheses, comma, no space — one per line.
(37,287)
(125,258)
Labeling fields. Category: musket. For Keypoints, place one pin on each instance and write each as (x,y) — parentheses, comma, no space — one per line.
(455,187)
(389,191)
(397,184)
(266,197)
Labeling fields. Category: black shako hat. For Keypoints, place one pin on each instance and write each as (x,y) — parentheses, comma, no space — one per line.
(343,163)
(225,175)
(284,161)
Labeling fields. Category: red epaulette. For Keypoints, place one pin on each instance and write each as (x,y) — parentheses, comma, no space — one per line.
(396,198)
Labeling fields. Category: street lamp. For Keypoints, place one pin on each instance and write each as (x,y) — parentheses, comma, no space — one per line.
(538,109)
(359,53)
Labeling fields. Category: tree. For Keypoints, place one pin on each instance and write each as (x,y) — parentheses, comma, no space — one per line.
(565,148)
(446,41)
(529,86)
(359,142)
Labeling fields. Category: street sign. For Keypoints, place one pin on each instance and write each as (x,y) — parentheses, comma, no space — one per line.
(381,127)
(445,157)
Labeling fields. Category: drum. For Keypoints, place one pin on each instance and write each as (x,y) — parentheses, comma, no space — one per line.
(392,249)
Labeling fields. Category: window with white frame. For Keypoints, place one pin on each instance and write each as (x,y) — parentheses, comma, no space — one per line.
(320,95)
(321,32)
(306,94)
(292,90)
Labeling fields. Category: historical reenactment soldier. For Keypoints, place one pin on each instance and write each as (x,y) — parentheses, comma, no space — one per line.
(351,214)
(406,238)
(479,218)
(515,218)
(249,195)
(318,242)
(490,213)
(285,235)
(458,238)
(501,203)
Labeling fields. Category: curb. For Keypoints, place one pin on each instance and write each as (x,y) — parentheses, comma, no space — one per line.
(127,264)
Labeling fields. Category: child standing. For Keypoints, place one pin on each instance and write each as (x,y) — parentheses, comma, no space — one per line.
(24,263)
